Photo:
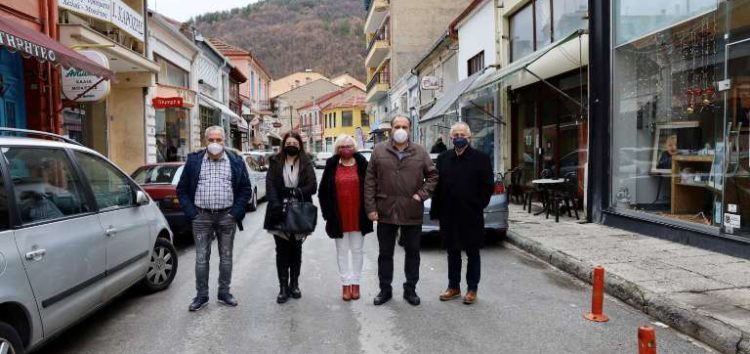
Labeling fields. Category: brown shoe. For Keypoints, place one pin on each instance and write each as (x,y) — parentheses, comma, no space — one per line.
(470,297)
(450,294)
(347,293)
(355,292)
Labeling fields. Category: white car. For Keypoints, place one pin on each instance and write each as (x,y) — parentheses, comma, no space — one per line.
(75,232)
(321,158)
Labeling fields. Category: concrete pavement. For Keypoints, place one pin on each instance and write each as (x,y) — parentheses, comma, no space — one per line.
(701,293)
(525,306)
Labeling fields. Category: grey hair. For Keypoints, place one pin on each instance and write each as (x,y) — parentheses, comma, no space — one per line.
(215,128)
(402,117)
(461,125)
(342,139)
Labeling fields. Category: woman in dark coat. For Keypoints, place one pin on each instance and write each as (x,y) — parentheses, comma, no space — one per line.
(464,189)
(342,203)
(290,173)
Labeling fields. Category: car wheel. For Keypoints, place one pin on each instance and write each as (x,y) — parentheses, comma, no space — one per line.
(162,268)
(253,206)
(10,341)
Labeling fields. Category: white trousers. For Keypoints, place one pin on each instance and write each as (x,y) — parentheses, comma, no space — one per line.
(351,244)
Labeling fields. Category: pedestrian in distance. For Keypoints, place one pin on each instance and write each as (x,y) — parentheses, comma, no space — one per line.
(342,198)
(464,189)
(439,146)
(400,177)
(290,175)
(213,191)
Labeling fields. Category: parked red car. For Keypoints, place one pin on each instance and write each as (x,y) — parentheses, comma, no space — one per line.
(160,182)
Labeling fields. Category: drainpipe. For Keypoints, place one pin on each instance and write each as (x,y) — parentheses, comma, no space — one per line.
(56,102)
(45,101)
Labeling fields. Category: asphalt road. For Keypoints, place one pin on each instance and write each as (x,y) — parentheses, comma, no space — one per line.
(524,306)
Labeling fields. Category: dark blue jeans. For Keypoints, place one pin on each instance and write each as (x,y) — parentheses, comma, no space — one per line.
(206,227)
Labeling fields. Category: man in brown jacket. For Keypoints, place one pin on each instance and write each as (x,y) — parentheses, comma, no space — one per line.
(400,177)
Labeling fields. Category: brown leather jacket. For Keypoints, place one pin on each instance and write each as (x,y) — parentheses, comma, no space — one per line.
(391,183)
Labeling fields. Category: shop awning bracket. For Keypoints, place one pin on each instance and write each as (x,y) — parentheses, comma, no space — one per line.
(550,85)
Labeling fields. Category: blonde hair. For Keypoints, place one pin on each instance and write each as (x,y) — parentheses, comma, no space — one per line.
(342,139)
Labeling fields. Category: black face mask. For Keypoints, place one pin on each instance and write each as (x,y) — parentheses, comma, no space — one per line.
(291,150)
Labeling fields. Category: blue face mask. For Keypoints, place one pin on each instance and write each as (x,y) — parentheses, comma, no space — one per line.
(460,143)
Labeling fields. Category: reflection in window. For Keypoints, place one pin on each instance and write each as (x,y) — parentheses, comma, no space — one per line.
(569,16)
(522,33)
(543,22)
(45,187)
(635,18)
(111,188)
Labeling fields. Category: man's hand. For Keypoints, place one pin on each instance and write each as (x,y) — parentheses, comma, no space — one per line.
(373,216)
(417,197)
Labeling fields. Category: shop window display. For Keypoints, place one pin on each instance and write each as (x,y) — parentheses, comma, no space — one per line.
(668,128)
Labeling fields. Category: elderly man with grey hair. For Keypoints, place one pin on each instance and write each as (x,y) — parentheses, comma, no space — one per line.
(464,189)
(214,190)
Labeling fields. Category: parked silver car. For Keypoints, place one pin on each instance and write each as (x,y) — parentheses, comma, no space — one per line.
(256,170)
(495,214)
(75,232)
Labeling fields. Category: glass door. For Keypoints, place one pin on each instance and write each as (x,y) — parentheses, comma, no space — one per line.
(736,89)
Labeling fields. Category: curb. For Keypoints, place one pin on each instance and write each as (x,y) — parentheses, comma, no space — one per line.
(715,333)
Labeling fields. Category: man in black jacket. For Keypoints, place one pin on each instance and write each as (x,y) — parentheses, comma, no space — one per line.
(214,190)
(464,189)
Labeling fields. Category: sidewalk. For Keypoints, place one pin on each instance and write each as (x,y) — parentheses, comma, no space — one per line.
(703,294)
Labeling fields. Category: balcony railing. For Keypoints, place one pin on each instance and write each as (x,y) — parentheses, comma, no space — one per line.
(381,35)
(381,77)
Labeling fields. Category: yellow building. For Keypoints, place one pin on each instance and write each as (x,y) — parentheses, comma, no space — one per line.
(346,117)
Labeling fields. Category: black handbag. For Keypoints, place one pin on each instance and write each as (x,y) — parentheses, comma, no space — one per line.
(299,216)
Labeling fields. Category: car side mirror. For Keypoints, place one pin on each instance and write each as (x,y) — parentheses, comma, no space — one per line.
(141,198)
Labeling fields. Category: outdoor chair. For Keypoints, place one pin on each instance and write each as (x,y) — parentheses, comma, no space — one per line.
(567,194)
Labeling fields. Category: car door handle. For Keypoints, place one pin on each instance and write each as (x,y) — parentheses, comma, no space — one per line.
(36,255)
(111,231)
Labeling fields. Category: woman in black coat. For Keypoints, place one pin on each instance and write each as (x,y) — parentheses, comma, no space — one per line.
(342,203)
(464,189)
(290,173)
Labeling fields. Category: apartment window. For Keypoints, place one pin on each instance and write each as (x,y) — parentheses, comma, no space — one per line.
(365,119)
(542,22)
(252,84)
(568,16)
(476,63)
(170,74)
(522,33)
(347,119)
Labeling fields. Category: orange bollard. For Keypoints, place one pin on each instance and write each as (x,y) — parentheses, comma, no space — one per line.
(597,299)
(646,340)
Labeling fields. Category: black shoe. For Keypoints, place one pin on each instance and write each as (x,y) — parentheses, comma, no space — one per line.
(382,298)
(294,291)
(227,299)
(199,302)
(283,295)
(412,298)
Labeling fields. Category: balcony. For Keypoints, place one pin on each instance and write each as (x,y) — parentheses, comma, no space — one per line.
(378,11)
(378,48)
(379,83)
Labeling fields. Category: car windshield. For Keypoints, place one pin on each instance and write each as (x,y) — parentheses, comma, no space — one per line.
(162,174)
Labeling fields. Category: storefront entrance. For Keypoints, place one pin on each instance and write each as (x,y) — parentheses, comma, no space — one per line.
(12,100)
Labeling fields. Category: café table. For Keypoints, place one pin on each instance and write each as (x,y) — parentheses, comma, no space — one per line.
(547,185)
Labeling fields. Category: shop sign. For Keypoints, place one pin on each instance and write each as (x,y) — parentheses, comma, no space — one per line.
(128,20)
(76,81)
(732,221)
(167,102)
(188,96)
(277,125)
(100,9)
(431,83)
(30,48)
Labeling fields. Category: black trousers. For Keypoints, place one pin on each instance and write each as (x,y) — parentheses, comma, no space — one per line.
(387,234)
(473,269)
(288,260)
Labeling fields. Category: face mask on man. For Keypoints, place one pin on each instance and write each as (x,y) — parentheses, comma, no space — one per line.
(400,136)
(460,142)
(291,150)
(215,148)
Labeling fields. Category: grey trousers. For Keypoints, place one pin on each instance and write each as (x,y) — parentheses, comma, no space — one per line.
(206,227)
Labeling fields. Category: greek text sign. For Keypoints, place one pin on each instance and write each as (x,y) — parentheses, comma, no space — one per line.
(75,81)
(128,20)
(101,9)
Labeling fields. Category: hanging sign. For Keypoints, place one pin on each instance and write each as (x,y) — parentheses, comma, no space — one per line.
(167,102)
(431,83)
(127,19)
(76,81)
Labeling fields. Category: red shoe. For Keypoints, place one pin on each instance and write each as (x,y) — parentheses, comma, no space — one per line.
(355,292)
(347,293)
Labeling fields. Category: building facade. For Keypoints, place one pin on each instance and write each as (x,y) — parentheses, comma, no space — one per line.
(312,122)
(346,117)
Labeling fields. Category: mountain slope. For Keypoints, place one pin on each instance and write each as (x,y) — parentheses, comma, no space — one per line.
(294,35)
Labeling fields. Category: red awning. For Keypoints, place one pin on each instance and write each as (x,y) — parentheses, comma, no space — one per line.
(16,37)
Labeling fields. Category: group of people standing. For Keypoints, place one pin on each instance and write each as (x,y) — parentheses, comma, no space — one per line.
(354,193)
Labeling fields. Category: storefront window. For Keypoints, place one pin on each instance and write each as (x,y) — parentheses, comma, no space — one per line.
(668,128)
(569,15)
(482,125)
(171,134)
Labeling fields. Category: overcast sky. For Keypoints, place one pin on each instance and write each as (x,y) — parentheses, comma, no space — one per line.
(184,9)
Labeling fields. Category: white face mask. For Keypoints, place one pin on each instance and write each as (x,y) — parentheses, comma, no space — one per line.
(215,148)
(400,136)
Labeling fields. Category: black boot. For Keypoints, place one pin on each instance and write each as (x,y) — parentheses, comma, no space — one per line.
(294,281)
(283,273)
(283,294)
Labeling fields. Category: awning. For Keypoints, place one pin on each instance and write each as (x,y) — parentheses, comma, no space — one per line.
(556,58)
(449,98)
(234,119)
(16,37)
